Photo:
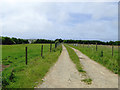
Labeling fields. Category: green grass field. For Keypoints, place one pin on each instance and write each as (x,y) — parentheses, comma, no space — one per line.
(20,75)
(107,60)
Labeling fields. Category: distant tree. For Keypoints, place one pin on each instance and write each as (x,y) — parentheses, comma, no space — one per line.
(0,40)
(43,41)
(117,43)
(20,41)
(15,40)
(7,41)
(111,42)
(59,40)
(25,41)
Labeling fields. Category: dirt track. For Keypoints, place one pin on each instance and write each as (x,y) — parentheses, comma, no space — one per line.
(102,77)
(64,74)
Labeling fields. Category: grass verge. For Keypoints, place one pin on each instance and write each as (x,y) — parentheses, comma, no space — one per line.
(75,59)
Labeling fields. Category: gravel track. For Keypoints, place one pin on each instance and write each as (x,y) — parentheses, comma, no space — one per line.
(102,77)
(63,74)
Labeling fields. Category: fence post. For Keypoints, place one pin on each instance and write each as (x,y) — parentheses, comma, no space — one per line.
(41,50)
(112,49)
(26,55)
(55,45)
(101,53)
(50,47)
(83,44)
(96,46)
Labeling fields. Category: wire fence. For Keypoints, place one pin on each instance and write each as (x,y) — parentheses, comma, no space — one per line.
(24,52)
(106,55)
(110,49)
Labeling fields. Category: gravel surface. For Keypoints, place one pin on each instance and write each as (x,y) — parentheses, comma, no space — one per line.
(63,74)
(102,77)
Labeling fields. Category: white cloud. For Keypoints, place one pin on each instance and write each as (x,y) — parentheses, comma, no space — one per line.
(51,20)
(16,1)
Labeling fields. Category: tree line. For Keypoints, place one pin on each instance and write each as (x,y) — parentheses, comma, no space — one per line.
(9,41)
(93,42)
(43,41)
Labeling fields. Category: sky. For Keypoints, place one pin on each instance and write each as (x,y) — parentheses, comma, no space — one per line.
(66,20)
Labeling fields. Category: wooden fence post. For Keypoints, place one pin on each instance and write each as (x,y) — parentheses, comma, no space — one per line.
(50,47)
(96,46)
(101,53)
(26,55)
(41,50)
(83,44)
(112,49)
(55,45)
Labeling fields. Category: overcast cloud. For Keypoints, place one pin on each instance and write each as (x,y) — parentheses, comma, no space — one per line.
(66,20)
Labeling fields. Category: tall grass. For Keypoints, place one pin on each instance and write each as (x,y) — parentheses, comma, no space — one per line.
(107,60)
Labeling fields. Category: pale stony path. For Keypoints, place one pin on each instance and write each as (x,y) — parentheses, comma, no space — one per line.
(102,77)
(63,74)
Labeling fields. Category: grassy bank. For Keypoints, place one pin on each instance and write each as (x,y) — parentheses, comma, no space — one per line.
(74,58)
(103,55)
(19,75)
(79,67)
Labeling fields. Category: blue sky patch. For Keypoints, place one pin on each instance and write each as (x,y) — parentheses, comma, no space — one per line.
(79,18)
